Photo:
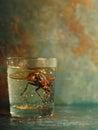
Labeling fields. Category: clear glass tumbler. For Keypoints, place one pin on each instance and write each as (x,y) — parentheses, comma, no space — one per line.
(31,86)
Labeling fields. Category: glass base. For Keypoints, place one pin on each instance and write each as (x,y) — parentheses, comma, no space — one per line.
(30,111)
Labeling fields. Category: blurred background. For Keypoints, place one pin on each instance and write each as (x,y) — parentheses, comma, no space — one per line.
(65,29)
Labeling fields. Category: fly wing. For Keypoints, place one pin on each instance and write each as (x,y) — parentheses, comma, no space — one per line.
(20,74)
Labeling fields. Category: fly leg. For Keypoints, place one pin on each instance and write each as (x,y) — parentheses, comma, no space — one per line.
(36,90)
(25,89)
(47,92)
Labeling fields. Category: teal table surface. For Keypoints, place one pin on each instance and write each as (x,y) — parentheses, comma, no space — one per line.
(64,118)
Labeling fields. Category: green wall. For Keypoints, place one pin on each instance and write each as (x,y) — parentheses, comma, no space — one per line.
(65,29)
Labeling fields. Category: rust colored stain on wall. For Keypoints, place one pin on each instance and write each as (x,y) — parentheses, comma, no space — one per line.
(95,51)
(76,26)
(88,3)
(77,29)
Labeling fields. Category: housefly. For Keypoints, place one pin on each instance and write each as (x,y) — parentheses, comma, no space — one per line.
(37,78)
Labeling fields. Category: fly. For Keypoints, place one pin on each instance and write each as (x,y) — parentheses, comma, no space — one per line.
(41,80)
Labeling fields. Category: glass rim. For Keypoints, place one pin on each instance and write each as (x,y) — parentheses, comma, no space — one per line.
(31,61)
(33,58)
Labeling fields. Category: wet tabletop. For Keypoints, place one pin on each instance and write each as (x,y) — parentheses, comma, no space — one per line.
(65,118)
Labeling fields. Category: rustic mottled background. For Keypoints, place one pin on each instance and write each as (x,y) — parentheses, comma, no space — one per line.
(65,29)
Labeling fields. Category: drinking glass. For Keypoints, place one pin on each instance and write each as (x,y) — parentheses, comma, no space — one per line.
(31,84)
